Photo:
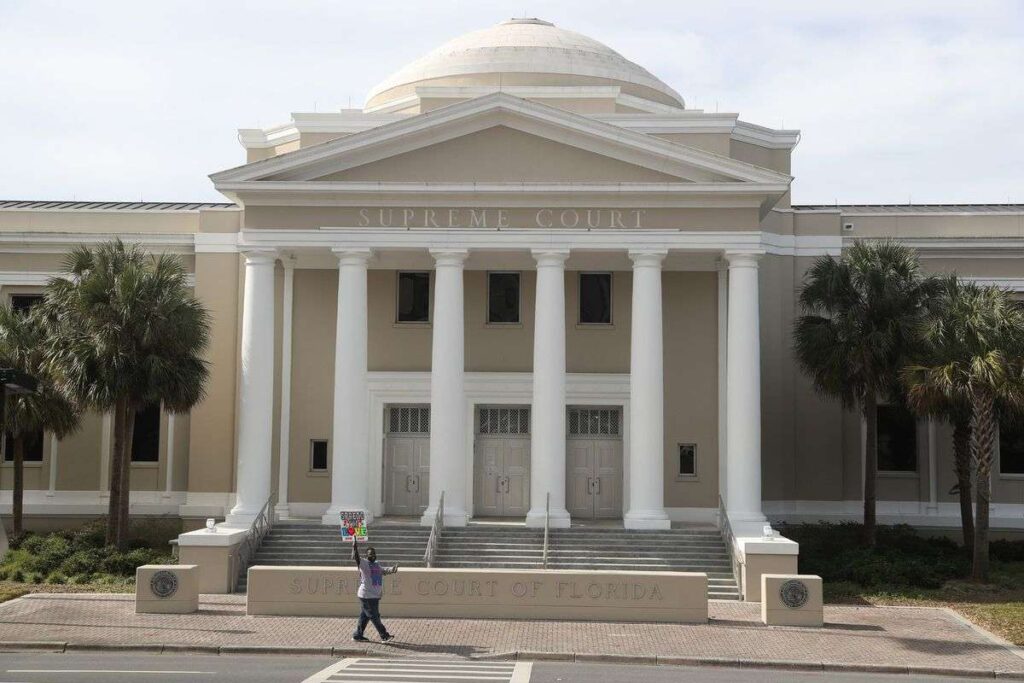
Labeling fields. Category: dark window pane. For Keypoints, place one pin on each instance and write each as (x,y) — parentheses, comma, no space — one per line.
(146,434)
(595,298)
(1011,446)
(503,298)
(33,447)
(897,439)
(23,303)
(318,455)
(413,297)
(687,459)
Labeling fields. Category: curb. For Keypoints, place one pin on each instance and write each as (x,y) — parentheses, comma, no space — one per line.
(517,655)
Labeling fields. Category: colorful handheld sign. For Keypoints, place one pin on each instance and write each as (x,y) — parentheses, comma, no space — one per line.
(353,526)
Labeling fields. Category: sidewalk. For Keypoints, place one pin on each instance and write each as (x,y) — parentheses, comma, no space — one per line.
(883,639)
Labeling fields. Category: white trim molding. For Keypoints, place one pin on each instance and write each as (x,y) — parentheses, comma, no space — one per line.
(1008,516)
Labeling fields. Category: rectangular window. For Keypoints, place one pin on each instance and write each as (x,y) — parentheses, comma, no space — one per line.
(318,455)
(23,303)
(1011,446)
(687,460)
(897,439)
(595,298)
(146,434)
(33,447)
(413,297)
(502,298)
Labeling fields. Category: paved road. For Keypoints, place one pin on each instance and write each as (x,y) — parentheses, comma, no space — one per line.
(171,668)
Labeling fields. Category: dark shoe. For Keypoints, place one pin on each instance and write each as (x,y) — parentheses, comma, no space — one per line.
(386,637)
(361,639)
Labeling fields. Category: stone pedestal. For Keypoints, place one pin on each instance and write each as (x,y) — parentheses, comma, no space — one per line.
(791,600)
(167,589)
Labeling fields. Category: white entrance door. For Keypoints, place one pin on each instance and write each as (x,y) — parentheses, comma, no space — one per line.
(594,463)
(407,460)
(501,481)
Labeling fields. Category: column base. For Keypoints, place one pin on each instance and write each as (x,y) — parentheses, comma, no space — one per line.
(559,519)
(451,517)
(282,511)
(646,519)
(240,520)
(331,518)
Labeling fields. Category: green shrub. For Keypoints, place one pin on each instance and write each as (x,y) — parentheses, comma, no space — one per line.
(56,578)
(1007,551)
(14,541)
(33,577)
(17,576)
(901,558)
(79,579)
(31,543)
(85,561)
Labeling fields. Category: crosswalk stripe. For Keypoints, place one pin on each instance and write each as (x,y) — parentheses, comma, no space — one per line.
(422,670)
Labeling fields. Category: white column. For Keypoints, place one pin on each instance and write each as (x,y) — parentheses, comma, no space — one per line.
(447,391)
(106,438)
(53,466)
(256,389)
(743,412)
(349,443)
(284,429)
(169,475)
(547,434)
(646,397)
(723,409)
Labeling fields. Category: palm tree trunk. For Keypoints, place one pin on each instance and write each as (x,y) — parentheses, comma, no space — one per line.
(126,469)
(962,463)
(18,494)
(116,465)
(870,469)
(983,431)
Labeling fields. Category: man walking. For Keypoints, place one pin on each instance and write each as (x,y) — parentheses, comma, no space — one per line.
(371,587)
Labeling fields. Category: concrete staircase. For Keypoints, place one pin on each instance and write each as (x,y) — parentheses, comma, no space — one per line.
(482,545)
(583,548)
(309,543)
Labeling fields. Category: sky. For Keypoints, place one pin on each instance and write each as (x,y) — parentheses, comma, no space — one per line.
(897,101)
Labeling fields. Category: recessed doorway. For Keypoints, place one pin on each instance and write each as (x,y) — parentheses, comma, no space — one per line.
(501,462)
(593,458)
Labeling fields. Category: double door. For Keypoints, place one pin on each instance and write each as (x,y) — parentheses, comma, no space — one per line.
(407,461)
(594,478)
(502,481)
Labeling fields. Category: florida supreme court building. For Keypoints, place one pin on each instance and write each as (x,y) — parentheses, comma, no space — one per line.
(526,276)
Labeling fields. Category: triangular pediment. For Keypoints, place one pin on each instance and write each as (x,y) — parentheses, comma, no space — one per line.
(498,139)
(500,154)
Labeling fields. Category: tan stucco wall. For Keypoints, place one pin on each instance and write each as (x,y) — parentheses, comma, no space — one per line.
(100,221)
(212,423)
(500,154)
(936,225)
(710,142)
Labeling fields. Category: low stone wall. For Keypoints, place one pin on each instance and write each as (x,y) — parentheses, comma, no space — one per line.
(672,597)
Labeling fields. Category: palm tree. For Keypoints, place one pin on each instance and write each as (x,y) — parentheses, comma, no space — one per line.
(977,344)
(941,402)
(863,318)
(23,337)
(129,333)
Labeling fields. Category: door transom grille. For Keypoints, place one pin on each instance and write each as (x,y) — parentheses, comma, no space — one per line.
(594,422)
(504,421)
(408,420)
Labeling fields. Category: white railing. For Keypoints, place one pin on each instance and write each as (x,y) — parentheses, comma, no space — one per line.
(547,524)
(435,533)
(730,541)
(246,550)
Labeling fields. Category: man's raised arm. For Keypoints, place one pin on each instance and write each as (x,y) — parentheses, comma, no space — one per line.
(355,551)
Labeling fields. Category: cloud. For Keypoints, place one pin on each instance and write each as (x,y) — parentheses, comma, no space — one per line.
(895,99)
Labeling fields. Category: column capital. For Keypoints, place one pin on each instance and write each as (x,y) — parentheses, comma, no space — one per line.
(743,259)
(647,258)
(287,261)
(259,256)
(449,257)
(550,257)
(352,256)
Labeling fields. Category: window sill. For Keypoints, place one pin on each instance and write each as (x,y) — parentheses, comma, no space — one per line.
(688,478)
(411,326)
(899,475)
(595,326)
(503,326)
(9,464)
(317,473)
(1012,476)
(146,465)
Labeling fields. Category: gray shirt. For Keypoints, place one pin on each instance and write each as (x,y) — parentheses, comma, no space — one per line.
(371,579)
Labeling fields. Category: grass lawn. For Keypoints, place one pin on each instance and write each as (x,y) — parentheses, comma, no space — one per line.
(10,590)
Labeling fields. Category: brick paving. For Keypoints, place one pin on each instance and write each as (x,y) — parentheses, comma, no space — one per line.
(859,636)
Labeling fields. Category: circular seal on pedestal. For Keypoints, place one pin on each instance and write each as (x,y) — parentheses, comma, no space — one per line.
(794,593)
(164,584)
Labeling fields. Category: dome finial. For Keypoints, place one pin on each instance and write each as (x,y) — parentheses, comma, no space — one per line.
(526,20)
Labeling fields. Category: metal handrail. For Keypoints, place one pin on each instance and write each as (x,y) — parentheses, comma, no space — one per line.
(547,524)
(435,533)
(258,530)
(730,541)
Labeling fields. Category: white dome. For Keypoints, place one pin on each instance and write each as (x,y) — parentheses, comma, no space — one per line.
(526,46)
